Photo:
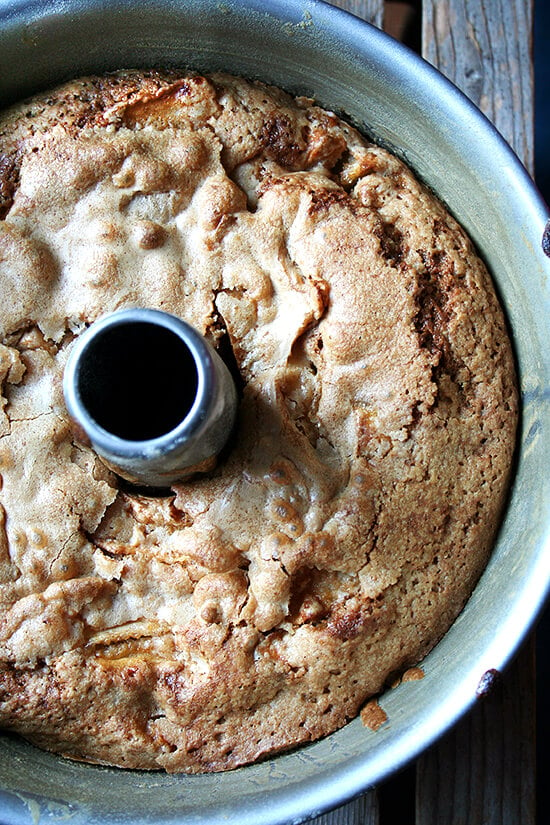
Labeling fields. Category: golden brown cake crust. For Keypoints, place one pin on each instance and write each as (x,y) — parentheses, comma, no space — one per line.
(258,607)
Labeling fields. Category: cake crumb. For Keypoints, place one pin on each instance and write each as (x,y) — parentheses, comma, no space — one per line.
(487,683)
(373,716)
(413,674)
(259,606)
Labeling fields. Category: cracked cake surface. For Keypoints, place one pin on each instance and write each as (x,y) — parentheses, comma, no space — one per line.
(261,605)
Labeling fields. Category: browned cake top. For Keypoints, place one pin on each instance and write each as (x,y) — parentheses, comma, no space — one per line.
(260,606)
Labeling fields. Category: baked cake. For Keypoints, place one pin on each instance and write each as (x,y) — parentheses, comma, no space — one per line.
(257,607)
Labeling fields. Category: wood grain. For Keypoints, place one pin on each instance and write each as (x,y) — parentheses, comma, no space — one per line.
(361,811)
(483,771)
(370,10)
(484,47)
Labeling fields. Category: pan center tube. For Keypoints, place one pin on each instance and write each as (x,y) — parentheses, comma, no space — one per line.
(151,395)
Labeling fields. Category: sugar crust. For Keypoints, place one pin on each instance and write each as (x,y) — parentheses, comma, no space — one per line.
(259,607)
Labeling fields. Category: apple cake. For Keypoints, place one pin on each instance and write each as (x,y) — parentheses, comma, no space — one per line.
(256,607)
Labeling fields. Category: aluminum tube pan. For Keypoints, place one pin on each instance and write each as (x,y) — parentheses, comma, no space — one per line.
(314,49)
(202,413)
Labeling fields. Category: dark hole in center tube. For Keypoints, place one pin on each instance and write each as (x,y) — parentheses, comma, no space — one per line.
(138,380)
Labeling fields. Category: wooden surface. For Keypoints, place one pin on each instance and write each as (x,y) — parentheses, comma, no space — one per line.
(371,10)
(485,48)
(483,771)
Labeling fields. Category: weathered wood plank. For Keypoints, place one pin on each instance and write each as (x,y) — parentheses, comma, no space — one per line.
(397,17)
(482,772)
(485,48)
(371,10)
(362,811)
